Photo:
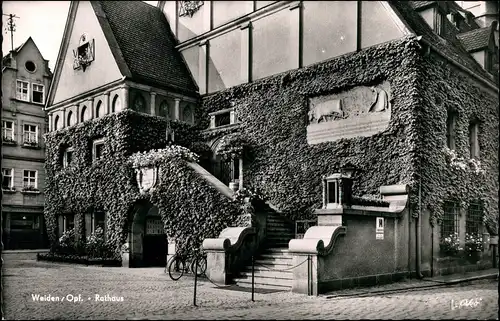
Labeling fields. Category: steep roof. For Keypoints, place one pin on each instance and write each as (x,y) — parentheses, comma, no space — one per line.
(144,40)
(453,50)
(6,60)
(475,39)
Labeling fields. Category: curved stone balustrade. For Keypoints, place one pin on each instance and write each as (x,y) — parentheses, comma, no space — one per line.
(396,195)
(229,240)
(317,240)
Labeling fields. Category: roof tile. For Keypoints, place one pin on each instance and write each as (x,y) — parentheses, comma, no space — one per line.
(147,44)
(453,50)
(475,39)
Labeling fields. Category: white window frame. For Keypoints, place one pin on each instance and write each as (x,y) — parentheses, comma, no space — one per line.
(4,129)
(65,156)
(36,177)
(11,176)
(29,133)
(33,91)
(19,94)
(96,142)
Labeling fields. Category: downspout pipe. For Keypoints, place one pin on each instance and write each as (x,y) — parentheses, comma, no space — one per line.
(419,232)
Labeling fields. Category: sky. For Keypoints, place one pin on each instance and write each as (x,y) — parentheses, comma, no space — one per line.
(44,21)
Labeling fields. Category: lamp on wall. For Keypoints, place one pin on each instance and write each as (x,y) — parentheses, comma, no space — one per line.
(169,134)
(348,170)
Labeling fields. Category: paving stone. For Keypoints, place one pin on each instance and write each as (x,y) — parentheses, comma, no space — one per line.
(148,293)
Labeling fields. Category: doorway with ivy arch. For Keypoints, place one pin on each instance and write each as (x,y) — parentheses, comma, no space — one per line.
(147,239)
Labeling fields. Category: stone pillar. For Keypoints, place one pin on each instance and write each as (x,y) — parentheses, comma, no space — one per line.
(212,121)
(51,125)
(305,274)
(92,110)
(240,176)
(125,92)
(78,120)
(171,249)
(106,103)
(153,103)
(177,109)
(63,118)
(218,266)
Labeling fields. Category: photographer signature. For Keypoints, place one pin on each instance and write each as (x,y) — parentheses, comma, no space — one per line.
(465,303)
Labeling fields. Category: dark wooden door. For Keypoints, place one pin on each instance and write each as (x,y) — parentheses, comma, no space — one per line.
(154,243)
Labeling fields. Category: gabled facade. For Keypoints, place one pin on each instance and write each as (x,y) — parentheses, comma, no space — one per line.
(287,92)
(25,82)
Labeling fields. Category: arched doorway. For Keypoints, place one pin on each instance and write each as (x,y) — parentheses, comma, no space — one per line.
(147,239)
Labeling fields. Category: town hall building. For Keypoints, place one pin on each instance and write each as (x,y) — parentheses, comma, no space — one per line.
(370,125)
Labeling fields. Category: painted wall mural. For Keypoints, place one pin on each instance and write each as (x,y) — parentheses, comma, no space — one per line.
(361,111)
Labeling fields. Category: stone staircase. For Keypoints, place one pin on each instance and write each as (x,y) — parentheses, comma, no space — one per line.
(273,266)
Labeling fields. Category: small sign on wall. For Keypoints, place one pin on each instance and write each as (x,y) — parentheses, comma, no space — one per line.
(379,228)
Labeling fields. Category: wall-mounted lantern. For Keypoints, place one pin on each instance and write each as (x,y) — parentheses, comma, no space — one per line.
(337,188)
(169,134)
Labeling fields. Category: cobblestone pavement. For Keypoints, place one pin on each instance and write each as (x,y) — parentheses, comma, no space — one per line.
(148,293)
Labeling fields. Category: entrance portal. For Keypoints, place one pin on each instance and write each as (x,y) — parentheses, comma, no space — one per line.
(154,243)
(147,239)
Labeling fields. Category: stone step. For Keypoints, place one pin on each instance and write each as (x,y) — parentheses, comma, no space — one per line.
(271,249)
(270,260)
(264,281)
(272,239)
(277,225)
(280,229)
(278,244)
(248,284)
(267,273)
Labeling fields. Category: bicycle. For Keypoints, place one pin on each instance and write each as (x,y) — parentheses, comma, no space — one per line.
(181,263)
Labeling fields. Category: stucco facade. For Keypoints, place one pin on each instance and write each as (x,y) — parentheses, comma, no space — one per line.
(25,82)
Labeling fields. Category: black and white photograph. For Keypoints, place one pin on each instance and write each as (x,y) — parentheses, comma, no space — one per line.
(250,160)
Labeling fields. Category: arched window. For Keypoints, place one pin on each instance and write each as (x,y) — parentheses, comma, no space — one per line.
(165,110)
(116,104)
(98,109)
(139,103)
(70,116)
(188,114)
(83,114)
(56,123)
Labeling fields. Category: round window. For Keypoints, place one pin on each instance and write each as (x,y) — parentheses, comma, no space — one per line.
(30,66)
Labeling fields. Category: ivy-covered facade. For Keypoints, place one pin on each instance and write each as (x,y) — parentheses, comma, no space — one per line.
(269,135)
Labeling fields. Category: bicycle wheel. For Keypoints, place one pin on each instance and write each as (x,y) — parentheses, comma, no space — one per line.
(201,268)
(176,268)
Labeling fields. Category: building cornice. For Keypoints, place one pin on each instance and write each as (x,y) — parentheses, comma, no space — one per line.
(24,158)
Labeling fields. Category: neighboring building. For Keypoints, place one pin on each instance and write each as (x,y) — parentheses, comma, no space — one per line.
(25,82)
(303,87)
